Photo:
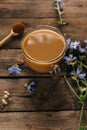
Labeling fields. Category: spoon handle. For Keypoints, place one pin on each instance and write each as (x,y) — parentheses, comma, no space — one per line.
(3,41)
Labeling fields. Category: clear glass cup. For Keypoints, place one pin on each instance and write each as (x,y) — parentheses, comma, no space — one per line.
(43,66)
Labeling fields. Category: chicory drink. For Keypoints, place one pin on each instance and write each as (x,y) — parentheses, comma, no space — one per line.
(44,45)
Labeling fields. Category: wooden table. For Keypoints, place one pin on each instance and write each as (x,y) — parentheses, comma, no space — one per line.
(52,106)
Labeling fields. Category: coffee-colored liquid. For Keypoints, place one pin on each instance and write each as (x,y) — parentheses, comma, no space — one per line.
(44,45)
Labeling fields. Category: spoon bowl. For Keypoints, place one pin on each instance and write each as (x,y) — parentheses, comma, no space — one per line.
(17,29)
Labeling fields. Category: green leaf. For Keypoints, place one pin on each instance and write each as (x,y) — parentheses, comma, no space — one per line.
(62,12)
(16,65)
(82,98)
(83,89)
(64,23)
(84,82)
(82,57)
(64,34)
(73,63)
(83,128)
(60,22)
(74,77)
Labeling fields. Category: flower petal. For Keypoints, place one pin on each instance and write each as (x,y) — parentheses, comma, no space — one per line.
(74,45)
(14,70)
(67,58)
(82,76)
(73,73)
(68,41)
(55,4)
(78,71)
(85,41)
(74,58)
(62,3)
(31,87)
(82,50)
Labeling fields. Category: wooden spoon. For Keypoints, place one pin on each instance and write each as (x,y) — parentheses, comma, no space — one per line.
(16,29)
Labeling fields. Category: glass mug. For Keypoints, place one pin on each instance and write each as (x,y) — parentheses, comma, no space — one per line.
(43,48)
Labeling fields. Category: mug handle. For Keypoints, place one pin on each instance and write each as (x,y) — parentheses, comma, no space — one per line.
(55,71)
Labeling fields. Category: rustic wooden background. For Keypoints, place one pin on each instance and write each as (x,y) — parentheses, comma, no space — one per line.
(52,106)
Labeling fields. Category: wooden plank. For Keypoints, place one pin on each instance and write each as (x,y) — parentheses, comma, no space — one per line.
(38,1)
(68,2)
(32,9)
(12,57)
(76,28)
(41,9)
(49,95)
(62,120)
(8,59)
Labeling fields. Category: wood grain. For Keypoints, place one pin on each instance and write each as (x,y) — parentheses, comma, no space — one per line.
(62,120)
(69,2)
(11,57)
(41,9)
(53,106)
(49,95)
(76,28)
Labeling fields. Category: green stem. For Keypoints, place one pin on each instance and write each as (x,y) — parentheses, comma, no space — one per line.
(59,12)
(71,87)
(84,82)
(78,85)
(60,17)
(81,115)
(85,66)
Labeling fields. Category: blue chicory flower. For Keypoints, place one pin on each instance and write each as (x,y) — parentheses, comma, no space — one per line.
(78,73)
(85,41)
(82,76)
(62,3)
(31,87)
(74,45)
(68,42)
(15,70)
(55,4)
(69,59)
(82,50)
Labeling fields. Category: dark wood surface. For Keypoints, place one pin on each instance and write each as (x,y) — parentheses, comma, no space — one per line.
(52,106)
